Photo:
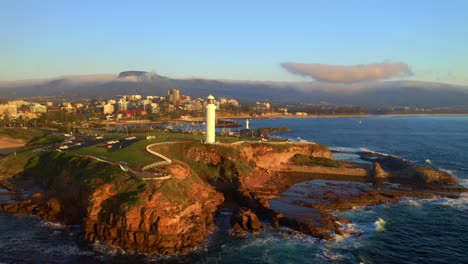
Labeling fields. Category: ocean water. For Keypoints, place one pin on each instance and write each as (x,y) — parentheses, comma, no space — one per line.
(412,231)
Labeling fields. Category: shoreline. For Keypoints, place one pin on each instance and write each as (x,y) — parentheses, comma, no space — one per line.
(198,119)
(241,117)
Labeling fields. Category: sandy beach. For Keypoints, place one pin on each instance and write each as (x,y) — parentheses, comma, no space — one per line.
(8,145)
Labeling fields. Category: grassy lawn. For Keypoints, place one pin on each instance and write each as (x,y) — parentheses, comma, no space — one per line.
(34,138)
(164,136)
(135,155)
(21,133)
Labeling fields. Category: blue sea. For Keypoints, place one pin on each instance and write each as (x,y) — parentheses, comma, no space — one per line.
(412,231)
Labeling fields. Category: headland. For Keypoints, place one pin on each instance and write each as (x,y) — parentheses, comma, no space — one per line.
(299,185)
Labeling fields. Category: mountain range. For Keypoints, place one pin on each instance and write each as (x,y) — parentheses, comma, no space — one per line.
(372,94)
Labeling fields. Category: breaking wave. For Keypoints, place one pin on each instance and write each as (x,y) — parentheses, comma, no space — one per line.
(357,150)
(380,224)
(460,203)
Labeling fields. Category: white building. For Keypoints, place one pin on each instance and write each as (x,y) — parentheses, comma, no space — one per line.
(123,105)
(108,109)
(135,97)
(154,108)
(8,109)
(38,108)
(210,120)
(18,103)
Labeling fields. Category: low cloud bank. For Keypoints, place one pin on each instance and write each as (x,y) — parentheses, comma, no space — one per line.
(349,74)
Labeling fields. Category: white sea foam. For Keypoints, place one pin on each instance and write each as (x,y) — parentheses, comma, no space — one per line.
(335,257)
(107,249)
(297,139)
(345,149)
(413,202)
(380,224)
(54,225)
(448,171)
(464,182)
(359,149)
(349,230)
(460,203)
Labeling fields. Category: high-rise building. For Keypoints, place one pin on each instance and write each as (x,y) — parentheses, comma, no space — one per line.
(122,105)
(173,96)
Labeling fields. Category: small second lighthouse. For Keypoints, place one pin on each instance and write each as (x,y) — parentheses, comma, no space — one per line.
(210,120)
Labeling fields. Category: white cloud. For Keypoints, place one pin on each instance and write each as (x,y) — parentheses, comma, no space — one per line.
(348,74)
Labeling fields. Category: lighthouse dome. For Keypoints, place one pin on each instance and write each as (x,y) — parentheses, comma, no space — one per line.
(210,97)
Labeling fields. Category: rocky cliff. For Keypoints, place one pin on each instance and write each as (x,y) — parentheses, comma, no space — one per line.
(164,217)
(177,214)
(255,176)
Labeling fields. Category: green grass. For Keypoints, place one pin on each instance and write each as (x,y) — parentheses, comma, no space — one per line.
(12,164)
(46,139)
(21,133)
(301,159)
(204,169)
(178,191)
(135,154)
(64,172)
(229,166)
(35,138)
(174,191)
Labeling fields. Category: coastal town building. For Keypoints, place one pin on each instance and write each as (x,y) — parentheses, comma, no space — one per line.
(173,96)
(37,108)
(122,104)
(18,103)
(108,109)
(8,109)
(262,106)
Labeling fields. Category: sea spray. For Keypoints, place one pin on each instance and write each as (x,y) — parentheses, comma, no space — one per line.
(380,224)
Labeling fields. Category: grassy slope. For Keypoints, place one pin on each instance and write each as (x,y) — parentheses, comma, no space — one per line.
(66,174)
(35,138)
(301,159)
(230,164)
(20,133)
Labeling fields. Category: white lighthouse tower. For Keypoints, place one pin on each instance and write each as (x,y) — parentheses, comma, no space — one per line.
(210,120)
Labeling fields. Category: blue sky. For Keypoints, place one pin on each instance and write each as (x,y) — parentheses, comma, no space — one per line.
(243,40)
